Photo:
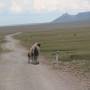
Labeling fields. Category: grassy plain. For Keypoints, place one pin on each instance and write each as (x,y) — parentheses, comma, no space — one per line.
(73,44)
(1,41)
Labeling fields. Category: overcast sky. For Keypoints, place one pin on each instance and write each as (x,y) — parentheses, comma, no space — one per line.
(38,11)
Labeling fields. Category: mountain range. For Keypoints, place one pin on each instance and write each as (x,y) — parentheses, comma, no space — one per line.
(80,17)
(66,21)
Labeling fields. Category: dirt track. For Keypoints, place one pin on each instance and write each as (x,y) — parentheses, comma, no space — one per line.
(17,74)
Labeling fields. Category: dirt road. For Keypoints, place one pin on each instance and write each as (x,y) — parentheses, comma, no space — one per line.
(17,74)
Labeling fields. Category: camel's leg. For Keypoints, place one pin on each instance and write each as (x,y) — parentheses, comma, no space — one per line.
(28,58)
(35,60)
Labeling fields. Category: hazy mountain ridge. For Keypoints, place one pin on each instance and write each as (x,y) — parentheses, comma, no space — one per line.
(66,18)
(66,21)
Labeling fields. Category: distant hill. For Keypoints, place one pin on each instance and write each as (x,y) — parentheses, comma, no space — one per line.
(81,17)
(66,21)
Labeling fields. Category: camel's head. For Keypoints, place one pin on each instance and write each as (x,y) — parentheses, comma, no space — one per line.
(38,44)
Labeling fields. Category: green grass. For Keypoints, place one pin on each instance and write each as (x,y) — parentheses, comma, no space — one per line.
(1,41)
(73,44)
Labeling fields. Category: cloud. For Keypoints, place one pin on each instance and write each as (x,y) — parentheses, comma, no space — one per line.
(61,5)
(42,5)
(2,6)
(22,6)
(19,6)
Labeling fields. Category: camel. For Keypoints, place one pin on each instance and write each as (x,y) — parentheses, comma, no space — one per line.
(33,53)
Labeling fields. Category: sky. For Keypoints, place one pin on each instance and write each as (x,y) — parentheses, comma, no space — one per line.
(14,12)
